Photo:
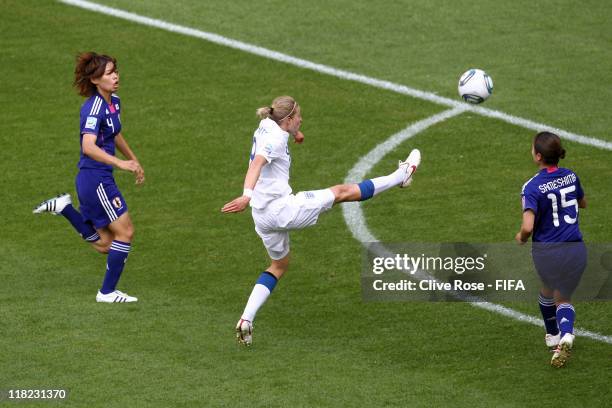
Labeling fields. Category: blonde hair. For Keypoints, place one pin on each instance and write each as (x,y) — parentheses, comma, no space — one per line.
(281,108)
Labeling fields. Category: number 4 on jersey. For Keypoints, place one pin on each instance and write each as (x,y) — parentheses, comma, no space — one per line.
(109,122)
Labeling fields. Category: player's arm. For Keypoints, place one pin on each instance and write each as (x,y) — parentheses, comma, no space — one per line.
(526,227)
(240,203)
(582,203)
(124,148)
(93,151)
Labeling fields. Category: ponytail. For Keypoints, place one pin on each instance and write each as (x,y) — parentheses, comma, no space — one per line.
(265,112)
(282,108)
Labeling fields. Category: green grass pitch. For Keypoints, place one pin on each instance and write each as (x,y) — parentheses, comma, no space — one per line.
(189,115)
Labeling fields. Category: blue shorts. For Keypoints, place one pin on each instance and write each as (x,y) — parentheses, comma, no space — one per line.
(100,200)
(560,265)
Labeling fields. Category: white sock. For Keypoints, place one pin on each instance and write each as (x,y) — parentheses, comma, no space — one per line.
(386,182)
(258,297)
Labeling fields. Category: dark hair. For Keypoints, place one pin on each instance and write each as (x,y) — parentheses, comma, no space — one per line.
(90,65)
(549,146)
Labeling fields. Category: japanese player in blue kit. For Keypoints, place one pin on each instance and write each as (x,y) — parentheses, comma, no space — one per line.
(103,220)
(551,200)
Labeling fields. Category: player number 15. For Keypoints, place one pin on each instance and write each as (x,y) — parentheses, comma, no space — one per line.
(564,203)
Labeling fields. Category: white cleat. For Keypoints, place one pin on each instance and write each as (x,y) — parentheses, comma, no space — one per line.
(410,165)
(244,332)
(115,297)
(53,205)
(563,351)
(552,341)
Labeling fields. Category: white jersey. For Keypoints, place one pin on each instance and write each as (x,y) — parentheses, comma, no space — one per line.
(270,141)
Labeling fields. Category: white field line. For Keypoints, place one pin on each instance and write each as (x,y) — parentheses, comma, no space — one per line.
(360,230)
(326,69)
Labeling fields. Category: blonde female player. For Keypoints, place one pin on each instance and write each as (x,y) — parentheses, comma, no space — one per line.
(276,210)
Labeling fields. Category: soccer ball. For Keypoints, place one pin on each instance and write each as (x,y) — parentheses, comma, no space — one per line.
(475,86)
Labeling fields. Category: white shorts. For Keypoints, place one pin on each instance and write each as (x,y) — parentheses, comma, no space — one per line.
(302,210)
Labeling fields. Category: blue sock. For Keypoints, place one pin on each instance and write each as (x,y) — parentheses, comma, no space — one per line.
(86,230)
(565,318)
(367,189)
(268,280)
(549,314)
(117,255)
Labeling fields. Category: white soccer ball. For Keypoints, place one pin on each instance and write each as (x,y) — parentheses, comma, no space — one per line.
(475,86)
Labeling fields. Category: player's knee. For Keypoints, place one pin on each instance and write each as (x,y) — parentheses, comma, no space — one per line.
(341,192)
(126,234)
(130,233)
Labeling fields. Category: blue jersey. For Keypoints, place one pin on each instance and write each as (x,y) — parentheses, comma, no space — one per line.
(553,194)
(103,120)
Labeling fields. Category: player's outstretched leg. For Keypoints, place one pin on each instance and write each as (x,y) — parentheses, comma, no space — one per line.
(565,319)
(367,189)
(62,205)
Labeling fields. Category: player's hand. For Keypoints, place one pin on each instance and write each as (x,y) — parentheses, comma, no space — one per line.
(236,205)
(298,137)
(140,177)
(519,238)
(128,165)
